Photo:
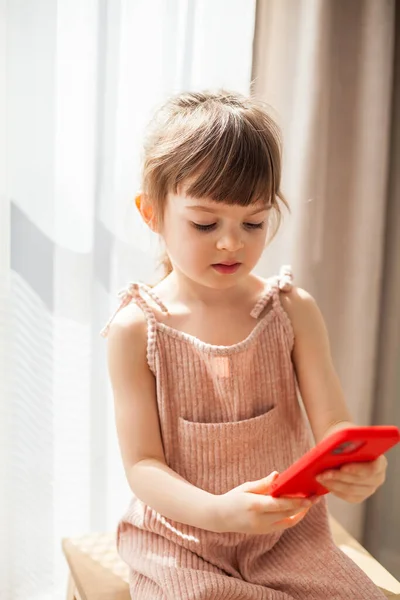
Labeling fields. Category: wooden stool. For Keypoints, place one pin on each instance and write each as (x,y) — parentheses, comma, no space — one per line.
(97,572)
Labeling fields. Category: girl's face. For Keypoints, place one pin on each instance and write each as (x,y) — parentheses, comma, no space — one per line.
(212,243)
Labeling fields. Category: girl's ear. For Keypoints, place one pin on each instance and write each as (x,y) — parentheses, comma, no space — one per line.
(146,210)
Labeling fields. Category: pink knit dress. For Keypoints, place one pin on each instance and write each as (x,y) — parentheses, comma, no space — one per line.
(230,414)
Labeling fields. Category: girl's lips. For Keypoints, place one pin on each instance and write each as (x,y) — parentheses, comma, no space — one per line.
(221,268)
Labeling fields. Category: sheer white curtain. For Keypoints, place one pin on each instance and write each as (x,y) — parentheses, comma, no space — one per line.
(81,78)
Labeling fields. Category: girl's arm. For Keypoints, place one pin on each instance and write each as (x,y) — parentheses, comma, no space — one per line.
(138,429)
(323,397)
(319,384)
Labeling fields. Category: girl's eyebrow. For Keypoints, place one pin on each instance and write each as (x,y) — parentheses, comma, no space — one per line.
(211,210)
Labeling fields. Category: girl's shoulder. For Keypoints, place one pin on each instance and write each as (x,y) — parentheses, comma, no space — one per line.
(304,313)
(296,301)
(128,321)
(127,333)
(299,305)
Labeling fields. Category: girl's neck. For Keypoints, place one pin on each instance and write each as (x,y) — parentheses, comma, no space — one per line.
(176,287)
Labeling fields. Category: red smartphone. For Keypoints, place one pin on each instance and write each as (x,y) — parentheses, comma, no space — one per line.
(353,444)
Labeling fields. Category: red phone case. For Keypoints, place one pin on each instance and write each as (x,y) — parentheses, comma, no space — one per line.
(355,444)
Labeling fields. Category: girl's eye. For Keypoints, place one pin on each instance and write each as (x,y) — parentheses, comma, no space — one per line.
(254,225)
(212,226)
(204,227)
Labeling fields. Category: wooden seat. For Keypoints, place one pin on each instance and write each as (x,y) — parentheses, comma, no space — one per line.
(97,572)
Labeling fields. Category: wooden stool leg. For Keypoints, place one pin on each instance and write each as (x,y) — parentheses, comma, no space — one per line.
(71,594)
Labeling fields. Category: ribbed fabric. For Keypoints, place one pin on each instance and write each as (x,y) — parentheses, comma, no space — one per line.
(230,414)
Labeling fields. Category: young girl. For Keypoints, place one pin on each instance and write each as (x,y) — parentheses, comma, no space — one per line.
(204,369)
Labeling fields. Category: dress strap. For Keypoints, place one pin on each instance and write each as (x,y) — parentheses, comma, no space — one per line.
(132,293)
(281,283)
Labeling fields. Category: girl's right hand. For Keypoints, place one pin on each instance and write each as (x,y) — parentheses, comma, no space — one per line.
(249,509)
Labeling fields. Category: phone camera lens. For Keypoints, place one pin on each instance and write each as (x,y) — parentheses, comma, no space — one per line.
(342,448)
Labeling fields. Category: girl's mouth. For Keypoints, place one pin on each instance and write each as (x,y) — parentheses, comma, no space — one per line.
(226,269)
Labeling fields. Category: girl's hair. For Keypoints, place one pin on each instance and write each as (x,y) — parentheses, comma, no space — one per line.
(223,146)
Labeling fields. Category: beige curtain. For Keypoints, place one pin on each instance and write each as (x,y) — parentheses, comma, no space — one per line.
(327,68)
(382,531)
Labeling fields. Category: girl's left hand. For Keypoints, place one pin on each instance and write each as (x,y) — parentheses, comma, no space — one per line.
(355,482)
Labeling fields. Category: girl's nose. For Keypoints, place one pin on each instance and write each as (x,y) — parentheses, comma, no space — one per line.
(232,242)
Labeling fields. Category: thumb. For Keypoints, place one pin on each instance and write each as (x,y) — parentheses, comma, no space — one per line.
(261,486)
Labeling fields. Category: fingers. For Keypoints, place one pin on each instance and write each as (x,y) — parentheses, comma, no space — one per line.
(351,492)
(366,470)
(290,518)
(262,486)
(355,479)
(345,484)
(355,482)
(289,521)
(279,505)
(368,473)
(278,514)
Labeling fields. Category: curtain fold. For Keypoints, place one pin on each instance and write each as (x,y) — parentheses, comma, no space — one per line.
(379,532)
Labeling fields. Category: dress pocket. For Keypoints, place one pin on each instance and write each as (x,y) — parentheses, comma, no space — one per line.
(219,456)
